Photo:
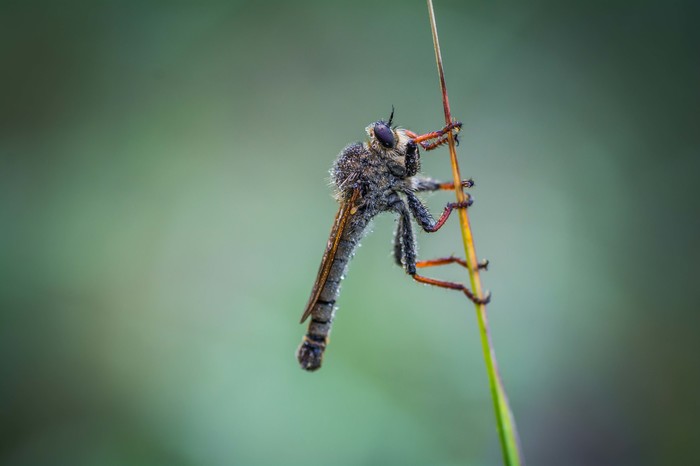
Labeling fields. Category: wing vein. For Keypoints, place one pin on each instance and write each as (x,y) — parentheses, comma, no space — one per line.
(346,209)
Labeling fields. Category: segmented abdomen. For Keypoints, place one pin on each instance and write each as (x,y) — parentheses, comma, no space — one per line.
(310,352)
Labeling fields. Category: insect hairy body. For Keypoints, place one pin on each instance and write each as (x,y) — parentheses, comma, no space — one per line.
(375,176)
(378,172)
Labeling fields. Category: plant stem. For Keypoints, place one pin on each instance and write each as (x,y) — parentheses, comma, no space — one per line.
(507,430)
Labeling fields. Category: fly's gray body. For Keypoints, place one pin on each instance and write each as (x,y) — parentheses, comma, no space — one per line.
(376,176)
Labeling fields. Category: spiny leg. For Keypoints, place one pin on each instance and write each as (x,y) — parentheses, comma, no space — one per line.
(421,138)
(412,159)
(441,141)
(423,216)
(429,184)
(408,247)
(453,286)
(404,235)
(398,249)
(408,242)
(483,265)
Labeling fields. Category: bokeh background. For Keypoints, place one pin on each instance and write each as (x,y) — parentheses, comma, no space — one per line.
(164,204)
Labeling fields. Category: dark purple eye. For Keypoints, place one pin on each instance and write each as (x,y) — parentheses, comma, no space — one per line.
(384,135)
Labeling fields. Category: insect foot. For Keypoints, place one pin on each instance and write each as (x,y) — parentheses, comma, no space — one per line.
(485,300)
(310,353)
(454,125)
(461,205)
(446,213)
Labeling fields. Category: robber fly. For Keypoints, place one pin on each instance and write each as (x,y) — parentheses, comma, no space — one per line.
(369,178)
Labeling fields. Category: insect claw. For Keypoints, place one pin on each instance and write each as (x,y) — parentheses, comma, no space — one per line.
(485,300)
(468,183)
(483,265)
(461,205)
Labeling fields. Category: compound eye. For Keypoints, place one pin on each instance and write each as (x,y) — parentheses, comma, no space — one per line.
(384,135)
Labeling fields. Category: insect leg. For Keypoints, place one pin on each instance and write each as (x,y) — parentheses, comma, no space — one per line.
(453,286)
(409,258)
(483,265)
(425,219)
(404,242)
(429,184)
(434,134)
(398,247)
(439,135)
(434,145)
(412,159)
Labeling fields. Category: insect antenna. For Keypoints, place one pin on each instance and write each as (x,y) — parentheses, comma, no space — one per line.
(391,118)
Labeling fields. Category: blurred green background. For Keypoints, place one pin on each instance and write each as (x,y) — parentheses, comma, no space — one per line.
(164,204)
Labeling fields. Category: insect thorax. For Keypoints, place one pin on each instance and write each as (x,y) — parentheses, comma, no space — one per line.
(376,174)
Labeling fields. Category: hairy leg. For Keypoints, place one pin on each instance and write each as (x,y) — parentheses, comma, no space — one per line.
(408,247)
(440,135)
(428,184)
(398,248)
(423,216)
(483,265)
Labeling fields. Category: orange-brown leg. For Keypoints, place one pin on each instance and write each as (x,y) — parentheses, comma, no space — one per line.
(434,134)
(451,186)
(428,184)
(405,249)
(422,138)
(432,228)
(450,260)
(434,145)
(453,286)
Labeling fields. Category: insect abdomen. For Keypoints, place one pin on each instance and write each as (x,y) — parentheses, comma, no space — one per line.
(310,352)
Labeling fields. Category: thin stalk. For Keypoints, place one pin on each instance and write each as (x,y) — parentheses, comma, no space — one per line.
(507,430)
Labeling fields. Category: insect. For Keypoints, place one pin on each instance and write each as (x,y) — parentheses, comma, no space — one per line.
(377,176)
